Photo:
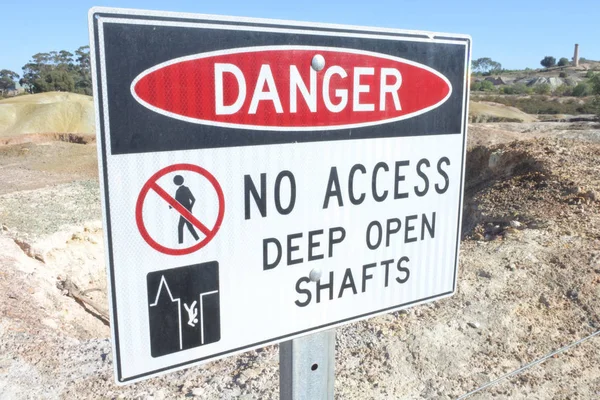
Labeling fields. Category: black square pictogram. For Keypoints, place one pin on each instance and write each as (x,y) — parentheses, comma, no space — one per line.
(183,308)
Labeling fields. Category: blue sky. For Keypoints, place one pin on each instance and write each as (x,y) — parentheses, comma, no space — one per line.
(516,33)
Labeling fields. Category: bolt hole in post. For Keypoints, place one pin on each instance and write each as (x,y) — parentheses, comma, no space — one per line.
(307,367)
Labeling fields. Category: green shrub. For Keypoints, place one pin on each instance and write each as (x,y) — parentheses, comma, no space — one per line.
(595,83)
(589,74)
(483,86)
(562,75)
(487,86)
(544,88)
(582,89)
(563,90)
(537,104)
(563,61)
(518,88)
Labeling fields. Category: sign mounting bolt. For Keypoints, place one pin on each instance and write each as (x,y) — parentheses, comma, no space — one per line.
(315,275)
(318,62)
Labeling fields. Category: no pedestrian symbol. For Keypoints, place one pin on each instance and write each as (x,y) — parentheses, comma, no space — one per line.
(180,209)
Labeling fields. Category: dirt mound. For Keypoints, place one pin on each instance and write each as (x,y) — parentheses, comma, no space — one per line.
(53,112)
(486,111)
(530,183)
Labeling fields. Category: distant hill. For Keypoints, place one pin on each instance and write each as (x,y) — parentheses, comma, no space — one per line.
(554,77)
(52,112)
(493,112)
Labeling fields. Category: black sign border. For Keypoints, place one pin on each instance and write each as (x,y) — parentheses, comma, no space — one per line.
(95,16)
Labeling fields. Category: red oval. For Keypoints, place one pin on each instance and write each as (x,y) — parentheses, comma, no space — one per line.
(347,92)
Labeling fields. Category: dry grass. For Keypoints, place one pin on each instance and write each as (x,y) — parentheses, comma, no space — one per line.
(52,112)
(494,112)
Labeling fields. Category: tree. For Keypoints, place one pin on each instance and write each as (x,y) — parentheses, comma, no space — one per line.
(486,65)
(548,62)
(7,80)
(564,61)
(56,81)
(59,70)
(63,60)
(83,81)
(32,72)
(83,57)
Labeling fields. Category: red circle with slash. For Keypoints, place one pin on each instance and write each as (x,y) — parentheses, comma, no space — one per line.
(152,185)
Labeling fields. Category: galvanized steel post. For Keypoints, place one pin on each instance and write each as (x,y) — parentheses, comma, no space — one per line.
(307,367)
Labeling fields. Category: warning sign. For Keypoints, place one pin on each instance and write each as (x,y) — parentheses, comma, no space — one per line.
(264,180)
(182,202)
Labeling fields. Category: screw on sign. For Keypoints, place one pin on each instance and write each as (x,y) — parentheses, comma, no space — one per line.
(182,202)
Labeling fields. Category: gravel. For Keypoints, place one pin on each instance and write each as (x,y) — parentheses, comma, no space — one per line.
(523,292)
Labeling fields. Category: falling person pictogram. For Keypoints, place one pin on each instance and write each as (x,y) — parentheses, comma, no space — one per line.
(184,196)
(183,308)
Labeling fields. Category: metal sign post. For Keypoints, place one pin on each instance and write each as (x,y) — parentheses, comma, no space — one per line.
(307,367)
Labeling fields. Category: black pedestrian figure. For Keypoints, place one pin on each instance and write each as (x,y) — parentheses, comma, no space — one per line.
(184,196)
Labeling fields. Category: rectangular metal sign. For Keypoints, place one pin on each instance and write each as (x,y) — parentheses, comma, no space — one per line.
(264,179)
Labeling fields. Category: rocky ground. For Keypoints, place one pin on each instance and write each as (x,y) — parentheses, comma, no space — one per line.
(529,283)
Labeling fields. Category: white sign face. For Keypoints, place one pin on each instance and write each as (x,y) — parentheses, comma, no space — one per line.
(263,180)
